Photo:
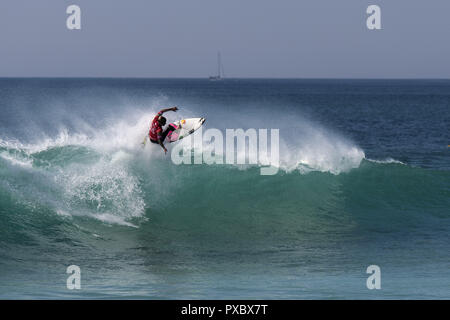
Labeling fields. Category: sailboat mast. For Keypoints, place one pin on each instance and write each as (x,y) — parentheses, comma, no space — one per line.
(218,64)
(220,70)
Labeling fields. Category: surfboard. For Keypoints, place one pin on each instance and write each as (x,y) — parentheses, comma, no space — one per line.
(183,128)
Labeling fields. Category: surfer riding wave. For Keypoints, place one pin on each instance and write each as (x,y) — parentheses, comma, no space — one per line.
(156,132)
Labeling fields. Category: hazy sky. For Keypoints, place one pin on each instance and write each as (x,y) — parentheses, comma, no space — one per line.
(257,38)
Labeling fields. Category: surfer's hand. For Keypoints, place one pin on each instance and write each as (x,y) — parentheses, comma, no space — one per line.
(165,151)
(174,109)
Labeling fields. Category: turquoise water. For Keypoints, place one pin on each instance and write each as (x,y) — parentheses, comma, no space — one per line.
(364,179)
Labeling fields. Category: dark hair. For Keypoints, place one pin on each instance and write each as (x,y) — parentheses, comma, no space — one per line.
(162,120)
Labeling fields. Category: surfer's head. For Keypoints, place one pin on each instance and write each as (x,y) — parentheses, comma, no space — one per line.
(162,120)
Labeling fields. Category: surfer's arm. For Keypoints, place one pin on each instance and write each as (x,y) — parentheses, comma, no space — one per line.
(161,139)
(162,145)
(168,109)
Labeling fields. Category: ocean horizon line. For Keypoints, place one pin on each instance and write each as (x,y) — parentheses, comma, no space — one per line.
(227,78)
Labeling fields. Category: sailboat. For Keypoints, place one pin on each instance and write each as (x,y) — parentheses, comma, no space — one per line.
(220,72)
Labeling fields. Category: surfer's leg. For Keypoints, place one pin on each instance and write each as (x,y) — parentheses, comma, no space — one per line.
(169,129)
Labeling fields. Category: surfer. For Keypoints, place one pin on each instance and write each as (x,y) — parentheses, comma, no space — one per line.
(156,133)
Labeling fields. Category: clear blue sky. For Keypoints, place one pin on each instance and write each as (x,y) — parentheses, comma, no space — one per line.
(257,38)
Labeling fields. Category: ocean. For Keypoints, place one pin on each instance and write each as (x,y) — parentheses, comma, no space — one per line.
(363,179)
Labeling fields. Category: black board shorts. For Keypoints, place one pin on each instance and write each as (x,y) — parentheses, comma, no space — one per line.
(164,134)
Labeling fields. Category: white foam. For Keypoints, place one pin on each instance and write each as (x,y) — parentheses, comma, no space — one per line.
(386,161)
(114,219)
(17,161)
(63,213)
(108,183)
